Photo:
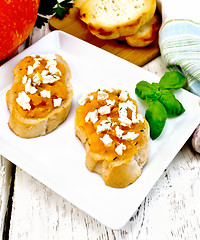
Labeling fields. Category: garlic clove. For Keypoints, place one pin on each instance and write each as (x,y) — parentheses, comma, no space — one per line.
(196,139)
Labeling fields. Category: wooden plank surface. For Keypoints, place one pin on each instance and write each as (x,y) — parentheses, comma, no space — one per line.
(5,183)
(73,25)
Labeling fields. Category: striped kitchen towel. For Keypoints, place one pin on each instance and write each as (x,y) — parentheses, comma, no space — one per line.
(179,39)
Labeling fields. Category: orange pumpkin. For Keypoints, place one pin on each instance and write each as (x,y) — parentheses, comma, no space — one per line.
(17,19)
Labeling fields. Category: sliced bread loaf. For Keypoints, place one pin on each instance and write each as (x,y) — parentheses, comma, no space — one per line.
(115,135)
(146,34)
(110,19)
(41,95)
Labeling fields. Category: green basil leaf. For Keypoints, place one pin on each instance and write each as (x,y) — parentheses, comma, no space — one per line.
(173,106)
(156,115)
(172,80)
(146,91)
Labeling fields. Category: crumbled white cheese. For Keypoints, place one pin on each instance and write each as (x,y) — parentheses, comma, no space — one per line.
(29,88)
(124,121)
(30,70)
(49,56)
(36,63)
(104,125)
(51,62)
(102,95)
(92,116)
(119,132)
(84,99)
(57,102)
(50,78)
(45,94)
(120,148)
(131,105)
(123,95)
(104,110)
(51,65)
(24,79)
(130,136)
(122,110)
(44,73)
(23,100)
(54,70)
(110,102)
(140,117)
(110,90)
(136,119)
(37,79)
(107,140)
(38,57)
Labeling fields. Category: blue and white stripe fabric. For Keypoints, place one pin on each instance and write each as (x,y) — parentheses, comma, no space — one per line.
(179,40)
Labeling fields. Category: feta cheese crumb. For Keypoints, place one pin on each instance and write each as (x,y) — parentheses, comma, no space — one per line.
(102,95)
(140,117)
(50,78)
(36,63)
(136,119)
(30,70)
(107,140)
(104,110)
(29,88)
(24,79)
(57,102)
(23,100)
(110,90)
(84,99)
(130,136)
(54,70)
(44,73)
(92,116)
(110,102)
(45,94)
(48,57)
(104,125)
(51,62)
(124,121)
(120,148)
(131,105)
(119,132)
(37,79)
(123,95)
(122,110)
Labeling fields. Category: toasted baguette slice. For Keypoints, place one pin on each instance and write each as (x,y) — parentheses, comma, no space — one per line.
(29,127)
(110,19)
(146,34)
(120,169)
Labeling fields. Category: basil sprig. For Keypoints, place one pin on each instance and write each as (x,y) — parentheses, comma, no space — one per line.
(162,102)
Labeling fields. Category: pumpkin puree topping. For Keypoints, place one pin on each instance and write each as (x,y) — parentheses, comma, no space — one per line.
(41,86)
(111,123)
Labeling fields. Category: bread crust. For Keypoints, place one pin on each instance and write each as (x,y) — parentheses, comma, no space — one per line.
(35,127)
(117,173)
(120,27)
(146,34)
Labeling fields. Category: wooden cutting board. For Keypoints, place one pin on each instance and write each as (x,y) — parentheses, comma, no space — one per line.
(73,25)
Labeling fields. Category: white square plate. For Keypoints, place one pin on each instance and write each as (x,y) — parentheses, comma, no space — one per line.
(58,159)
